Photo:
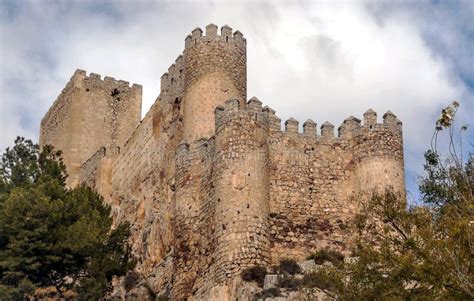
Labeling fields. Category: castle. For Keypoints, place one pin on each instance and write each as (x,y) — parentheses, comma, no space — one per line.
(209,181)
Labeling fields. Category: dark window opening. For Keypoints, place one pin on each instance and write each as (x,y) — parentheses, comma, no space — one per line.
(227,39)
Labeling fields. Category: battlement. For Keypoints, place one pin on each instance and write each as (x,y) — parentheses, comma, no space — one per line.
(349,129)
(97,78)
(226,35)
(75,82)
(174,76)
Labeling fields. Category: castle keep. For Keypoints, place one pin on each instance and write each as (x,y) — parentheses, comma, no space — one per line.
(209,180)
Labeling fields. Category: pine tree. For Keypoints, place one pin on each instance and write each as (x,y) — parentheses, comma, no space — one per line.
(51,235)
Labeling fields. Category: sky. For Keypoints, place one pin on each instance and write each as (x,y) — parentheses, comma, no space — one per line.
(324,60)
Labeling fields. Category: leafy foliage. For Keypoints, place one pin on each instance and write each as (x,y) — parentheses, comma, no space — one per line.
(51,235)
(289,266)
(254,274)
(335,257)
(417,253)
(268,293)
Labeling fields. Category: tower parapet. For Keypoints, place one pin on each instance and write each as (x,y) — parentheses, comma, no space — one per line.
(378,154)
(310,128)
(214,70)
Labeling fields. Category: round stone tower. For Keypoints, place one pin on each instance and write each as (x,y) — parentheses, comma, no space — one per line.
(241,189)
(215,68)
(378,154)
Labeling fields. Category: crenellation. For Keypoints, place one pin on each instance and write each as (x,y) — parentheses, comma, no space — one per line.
(109,79)
(389,119)
(310,128)
(226,36)
(370,118)
(349,128)
(291,126)
(179,61)
(211,30)
(171,69)
(274,123)
(137,87)
(80,72)
(188,41)
(164,83)
(226,32)
(231,105)
(254,104)
(399,125)
(97,79)
(124,83)
(238,36)
(209,181)
(327,130)
(95,76)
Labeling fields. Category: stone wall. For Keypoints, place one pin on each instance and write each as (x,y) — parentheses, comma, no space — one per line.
(96,172)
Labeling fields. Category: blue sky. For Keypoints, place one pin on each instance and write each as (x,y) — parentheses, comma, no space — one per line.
(324,60)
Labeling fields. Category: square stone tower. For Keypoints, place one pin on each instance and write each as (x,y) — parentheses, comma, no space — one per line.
(90,114)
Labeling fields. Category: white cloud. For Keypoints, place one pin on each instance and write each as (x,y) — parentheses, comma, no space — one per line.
(323,61)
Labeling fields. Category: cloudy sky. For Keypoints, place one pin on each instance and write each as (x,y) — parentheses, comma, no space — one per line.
(324,60)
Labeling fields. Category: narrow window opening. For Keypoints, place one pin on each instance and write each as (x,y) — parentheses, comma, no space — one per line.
(227,39)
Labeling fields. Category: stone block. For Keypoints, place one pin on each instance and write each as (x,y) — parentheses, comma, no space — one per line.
(270,281)
(307,266)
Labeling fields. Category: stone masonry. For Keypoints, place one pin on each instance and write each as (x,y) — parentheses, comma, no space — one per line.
(210,182)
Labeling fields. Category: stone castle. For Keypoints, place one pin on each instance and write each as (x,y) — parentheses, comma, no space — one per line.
(209,181)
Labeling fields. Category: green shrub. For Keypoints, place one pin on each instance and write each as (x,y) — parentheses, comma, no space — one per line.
(320,279)
(254,274)
(323,255)
(131,280)
(289,282)
(268,293)
(289,266)
(163,297)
